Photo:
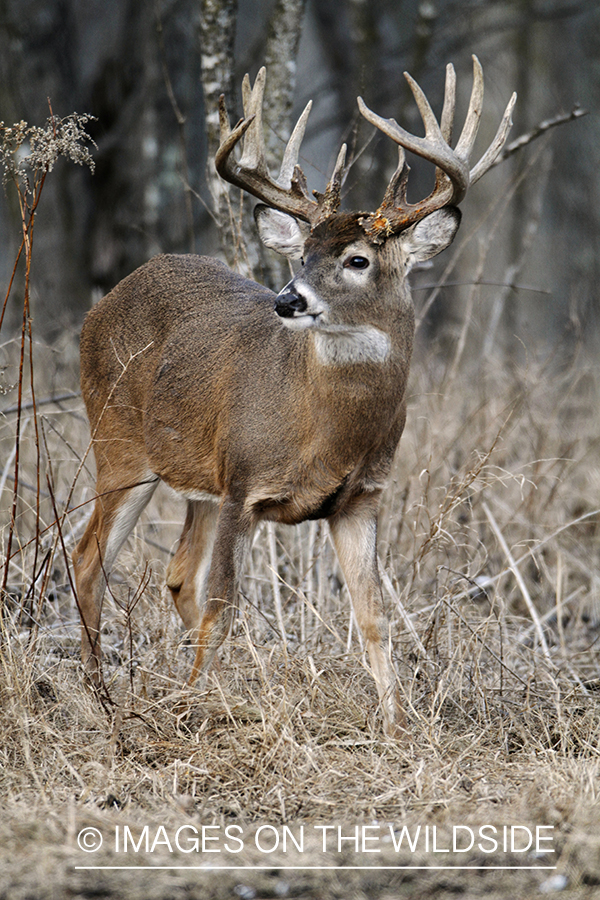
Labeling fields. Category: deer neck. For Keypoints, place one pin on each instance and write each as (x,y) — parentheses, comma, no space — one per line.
(381,344)
(343,345)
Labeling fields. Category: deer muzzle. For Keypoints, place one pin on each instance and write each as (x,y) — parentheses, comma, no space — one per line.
(289,304)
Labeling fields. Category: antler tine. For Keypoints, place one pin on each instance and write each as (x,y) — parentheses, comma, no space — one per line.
(253,154)
(464,146)
(337,176)
(292,150)
(229,138)
(447,117)
(466,141)
(491,154)
(329,200)
(432,147)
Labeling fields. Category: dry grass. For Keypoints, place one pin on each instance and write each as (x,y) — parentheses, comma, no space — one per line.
(492,514)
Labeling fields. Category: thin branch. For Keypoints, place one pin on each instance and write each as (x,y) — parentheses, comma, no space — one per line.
(275,582)
(538,130)
(101,690)
(480,282)
(520,582)
(45,401)
(389,587)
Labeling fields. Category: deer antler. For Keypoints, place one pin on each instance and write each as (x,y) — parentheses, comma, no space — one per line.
(453,175)
(288,192)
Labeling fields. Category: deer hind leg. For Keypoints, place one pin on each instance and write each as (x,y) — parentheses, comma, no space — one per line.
(232,538)
(354,535)
(187,573)
(116,511)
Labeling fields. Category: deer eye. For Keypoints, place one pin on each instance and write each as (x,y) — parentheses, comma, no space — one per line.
(357,262)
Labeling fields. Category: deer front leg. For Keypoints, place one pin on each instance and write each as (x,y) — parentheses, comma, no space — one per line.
(233,535)
(354,535)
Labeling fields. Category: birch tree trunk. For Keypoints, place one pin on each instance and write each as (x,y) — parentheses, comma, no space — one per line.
(217,35)
(232,211)
(281,51)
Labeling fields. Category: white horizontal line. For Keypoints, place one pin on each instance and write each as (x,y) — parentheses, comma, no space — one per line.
(274,865)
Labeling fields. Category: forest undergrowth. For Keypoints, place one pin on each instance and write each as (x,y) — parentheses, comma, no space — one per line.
(488,543)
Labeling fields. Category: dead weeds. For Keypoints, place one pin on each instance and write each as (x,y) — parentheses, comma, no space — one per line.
(489,545)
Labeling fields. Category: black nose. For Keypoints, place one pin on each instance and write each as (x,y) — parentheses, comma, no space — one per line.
(287,303)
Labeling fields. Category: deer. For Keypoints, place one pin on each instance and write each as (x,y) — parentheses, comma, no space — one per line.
(256,406)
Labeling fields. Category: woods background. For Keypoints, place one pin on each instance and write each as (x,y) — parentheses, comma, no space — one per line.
(151,73)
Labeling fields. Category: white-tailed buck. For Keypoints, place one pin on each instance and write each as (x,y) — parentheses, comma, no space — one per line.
(259,406)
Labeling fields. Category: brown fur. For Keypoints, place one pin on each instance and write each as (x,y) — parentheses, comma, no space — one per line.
(335,233)
(190,376)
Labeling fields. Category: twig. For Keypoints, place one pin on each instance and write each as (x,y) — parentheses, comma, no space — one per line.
(275,580)
(488,582)
(69,395)
(128,609)
(101,690)
(520,582)
(496,213)
(387,583)
(538,130)
(8,464)
(462,339)
(540,164)
(485,283)
(28,208)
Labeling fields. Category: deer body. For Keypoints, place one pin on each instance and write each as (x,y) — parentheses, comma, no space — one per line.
(223,398)
(257,406)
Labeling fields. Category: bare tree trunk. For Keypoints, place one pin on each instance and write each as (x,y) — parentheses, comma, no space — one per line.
(217,33)
(232,211)
(281,50)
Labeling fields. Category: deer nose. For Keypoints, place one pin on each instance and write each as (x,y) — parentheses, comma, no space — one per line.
(288,303)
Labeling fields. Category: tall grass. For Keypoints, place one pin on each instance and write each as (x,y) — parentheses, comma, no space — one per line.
(489,558)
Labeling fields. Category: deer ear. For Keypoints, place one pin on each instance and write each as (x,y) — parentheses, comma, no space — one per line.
(431,235)
(281,232)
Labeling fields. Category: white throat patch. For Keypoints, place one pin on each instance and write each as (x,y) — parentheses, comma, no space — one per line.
(344,345)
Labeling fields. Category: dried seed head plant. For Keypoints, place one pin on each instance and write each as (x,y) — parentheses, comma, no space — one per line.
(28,153)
